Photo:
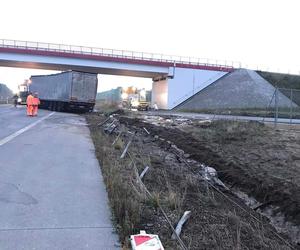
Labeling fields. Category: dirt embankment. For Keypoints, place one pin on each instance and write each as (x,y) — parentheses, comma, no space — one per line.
(216,222)
(262,162)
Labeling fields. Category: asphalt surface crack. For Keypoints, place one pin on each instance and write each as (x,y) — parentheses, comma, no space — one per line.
(10,193)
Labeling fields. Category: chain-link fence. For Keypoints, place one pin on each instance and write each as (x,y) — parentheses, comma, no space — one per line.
(5,94)
(273,105)
(4,100)
(284,106)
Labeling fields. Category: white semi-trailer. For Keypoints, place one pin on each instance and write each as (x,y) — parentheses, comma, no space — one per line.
(66,91)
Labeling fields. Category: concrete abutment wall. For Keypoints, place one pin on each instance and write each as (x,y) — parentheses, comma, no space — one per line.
(170,92)
(241,89)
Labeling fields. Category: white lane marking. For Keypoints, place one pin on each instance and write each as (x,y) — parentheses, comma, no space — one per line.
(21,131)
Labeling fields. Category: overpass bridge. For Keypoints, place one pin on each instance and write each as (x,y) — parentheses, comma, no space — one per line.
(175,78)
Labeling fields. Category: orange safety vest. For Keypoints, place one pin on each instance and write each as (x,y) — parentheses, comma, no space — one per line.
(29,100)
(35,101)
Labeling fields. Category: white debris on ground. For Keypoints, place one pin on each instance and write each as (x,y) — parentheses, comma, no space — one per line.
(181,120)
(248,200)
(210,174)
(205,122)
(207,173)
(173,121)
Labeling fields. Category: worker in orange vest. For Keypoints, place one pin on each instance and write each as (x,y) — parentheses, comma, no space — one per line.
(35,103)
(29,103)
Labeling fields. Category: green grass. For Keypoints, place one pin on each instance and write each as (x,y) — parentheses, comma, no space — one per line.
(282,112)
(281,80)
(104,107)
(284,82)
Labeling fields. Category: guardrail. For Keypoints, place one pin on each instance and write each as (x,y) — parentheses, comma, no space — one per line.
(82,50)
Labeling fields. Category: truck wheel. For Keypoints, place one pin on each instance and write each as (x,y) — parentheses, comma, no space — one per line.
(58,107)
(63,106)
(52,106)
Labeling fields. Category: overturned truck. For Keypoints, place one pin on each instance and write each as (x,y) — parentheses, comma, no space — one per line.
(66,91)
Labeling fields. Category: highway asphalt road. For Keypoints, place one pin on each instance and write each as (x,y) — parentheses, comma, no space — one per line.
(52,194)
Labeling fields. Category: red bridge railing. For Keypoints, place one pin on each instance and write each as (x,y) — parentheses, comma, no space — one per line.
(140,57)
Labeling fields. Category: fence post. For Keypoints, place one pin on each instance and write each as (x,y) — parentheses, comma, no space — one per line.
(291,107)
(276,107)
(193,83)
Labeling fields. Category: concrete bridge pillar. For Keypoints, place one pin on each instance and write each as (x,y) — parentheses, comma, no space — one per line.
(168,92)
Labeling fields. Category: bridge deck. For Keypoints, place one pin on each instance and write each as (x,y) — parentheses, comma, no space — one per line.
(121,56)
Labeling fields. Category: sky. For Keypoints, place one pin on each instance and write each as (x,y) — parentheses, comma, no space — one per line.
(259,34)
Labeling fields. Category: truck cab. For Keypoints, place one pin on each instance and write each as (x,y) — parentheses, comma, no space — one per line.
(23,91)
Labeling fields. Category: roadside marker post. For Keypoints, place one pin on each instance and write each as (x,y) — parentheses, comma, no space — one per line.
(144,241)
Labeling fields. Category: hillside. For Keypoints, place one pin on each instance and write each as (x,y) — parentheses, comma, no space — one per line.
(281,80)
(5,92)
(285,82)
(241,89)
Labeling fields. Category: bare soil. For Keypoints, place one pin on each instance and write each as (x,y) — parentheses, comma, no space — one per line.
(262,161)
(249,156)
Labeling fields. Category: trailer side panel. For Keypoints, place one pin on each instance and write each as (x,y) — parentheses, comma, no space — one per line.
(55,87)
(65,91)
(84,87)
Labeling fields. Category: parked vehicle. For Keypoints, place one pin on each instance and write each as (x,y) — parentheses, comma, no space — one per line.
(23,92)
(66,91)
(135,98)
